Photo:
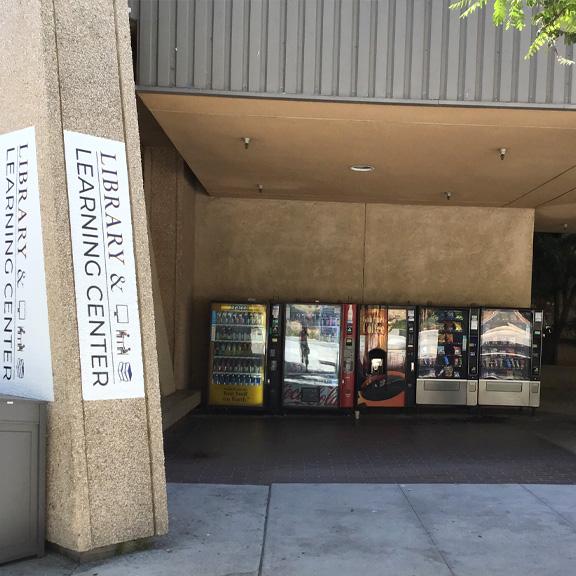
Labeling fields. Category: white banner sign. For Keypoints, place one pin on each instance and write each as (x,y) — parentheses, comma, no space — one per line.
(26,364)
(104,269)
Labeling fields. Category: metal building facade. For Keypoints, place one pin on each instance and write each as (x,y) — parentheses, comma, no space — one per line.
(381,50)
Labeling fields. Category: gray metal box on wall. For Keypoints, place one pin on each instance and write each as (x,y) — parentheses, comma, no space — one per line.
(22,478)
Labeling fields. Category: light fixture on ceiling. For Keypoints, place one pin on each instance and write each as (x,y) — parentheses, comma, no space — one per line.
(565,227)
(260,188)
(448,195)
(246,141)
(362,168)
(502,152)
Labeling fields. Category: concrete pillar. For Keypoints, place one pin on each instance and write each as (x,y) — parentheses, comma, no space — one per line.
(66,65)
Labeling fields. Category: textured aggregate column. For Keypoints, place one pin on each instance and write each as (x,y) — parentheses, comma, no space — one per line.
(66,65)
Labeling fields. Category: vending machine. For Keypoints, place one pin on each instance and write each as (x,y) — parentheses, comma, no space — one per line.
(237,371)
(386,357)
(510,357)
(318,356)
(447,356)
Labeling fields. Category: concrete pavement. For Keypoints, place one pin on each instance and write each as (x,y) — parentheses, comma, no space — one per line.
(333,529)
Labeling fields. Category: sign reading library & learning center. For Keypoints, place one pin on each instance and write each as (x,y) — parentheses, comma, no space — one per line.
(104,268)
(25,361)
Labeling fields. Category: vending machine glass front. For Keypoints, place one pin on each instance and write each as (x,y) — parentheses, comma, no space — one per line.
(237,355)
(443,343)
(311,355)
(505,344)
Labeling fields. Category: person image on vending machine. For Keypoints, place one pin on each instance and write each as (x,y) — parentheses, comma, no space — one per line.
(304,347)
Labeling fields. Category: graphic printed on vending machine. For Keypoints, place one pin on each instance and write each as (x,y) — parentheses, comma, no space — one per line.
(238,338)
(386,350)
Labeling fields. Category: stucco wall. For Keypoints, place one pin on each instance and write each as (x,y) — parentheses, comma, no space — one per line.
(171,198)
(448,255)
(374,252)
(184,325)
(161,165)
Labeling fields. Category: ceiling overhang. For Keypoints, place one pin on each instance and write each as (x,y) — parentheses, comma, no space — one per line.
(430,155)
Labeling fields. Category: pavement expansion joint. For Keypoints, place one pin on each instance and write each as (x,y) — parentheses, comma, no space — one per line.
(425,528)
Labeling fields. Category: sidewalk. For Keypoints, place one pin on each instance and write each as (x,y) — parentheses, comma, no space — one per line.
(366,529)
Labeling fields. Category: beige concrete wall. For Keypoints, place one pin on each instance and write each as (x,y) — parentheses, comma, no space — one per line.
(448,255)
(185,278)
(106,479)
(170,196)
(374,252)
(161,169)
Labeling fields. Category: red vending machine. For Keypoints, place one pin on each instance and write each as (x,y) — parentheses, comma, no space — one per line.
(386,356)
(318,356)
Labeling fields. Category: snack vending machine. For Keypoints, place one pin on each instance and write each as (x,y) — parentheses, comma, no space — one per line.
(238,337)
(318,356)
(447,356)
(510,357)
(386,357)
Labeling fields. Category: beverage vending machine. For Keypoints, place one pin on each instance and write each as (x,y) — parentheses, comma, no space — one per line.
(510,357)
(386,356)
(447,356)
(237,370)
(318,355)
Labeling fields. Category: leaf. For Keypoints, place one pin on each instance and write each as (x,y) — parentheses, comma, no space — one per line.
(500,11)
(553,19)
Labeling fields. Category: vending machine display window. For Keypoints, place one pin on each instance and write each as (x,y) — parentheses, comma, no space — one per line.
(312,355)
(237,354)
(505,344)
(443,343)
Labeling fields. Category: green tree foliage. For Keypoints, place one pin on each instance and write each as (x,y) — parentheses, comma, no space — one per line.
(553,19)
(554,279)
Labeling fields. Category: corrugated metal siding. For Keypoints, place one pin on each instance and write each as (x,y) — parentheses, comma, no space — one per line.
(415,50)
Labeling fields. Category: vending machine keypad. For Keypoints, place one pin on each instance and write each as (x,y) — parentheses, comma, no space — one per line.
(473,343)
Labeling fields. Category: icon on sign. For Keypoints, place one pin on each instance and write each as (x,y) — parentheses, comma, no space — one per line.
(20,338)
(125,371)
(121,313)
(121,345)
(22,310)
(20,368)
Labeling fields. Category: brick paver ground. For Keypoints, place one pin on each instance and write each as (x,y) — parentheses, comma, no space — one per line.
(451,447)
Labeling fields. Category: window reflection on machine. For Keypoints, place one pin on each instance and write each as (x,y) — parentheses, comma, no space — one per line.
(442,343)
(505,345)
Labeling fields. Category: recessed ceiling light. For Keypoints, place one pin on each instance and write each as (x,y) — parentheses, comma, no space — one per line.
(362,168)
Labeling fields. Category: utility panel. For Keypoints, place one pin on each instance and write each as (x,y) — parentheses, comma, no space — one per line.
(22,484)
